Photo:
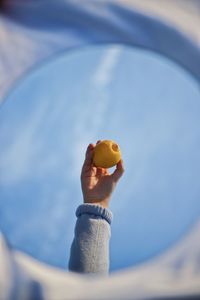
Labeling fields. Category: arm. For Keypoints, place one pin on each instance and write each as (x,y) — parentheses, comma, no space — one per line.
(90,247)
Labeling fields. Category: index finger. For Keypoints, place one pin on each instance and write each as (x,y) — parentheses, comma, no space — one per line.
(88,156)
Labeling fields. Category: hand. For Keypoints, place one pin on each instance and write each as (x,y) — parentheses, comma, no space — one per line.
(97,184)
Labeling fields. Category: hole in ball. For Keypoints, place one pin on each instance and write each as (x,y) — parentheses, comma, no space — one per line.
(115,147)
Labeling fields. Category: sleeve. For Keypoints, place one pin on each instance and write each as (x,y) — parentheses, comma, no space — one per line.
(90,247)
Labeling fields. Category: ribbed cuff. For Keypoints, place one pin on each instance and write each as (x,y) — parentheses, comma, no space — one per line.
(95,209)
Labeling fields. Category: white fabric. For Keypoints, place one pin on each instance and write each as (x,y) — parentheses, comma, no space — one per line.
(176,273)
(26,40)
(34,31)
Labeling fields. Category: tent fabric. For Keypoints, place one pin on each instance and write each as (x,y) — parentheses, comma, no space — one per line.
(38,30)
(174,275)
(181,14)
(32,32)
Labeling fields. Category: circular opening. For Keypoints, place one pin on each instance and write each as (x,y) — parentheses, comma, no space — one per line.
(75,100)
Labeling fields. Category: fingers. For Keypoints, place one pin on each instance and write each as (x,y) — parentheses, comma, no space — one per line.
(88,156)
(106,172)
(102,171)
(118,171)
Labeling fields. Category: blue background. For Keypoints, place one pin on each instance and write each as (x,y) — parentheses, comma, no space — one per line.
(145,102)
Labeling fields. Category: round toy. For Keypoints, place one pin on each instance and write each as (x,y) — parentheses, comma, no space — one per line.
(106,154)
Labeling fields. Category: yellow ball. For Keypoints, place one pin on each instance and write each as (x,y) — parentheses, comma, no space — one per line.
(106,154)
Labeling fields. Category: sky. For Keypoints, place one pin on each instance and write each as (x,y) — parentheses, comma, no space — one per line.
(147,104)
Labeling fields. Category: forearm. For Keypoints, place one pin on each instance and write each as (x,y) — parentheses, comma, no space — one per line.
(90,247)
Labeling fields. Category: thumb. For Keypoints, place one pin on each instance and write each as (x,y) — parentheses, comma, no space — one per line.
(118,171)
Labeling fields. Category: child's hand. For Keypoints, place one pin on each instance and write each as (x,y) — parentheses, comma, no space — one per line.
(97,184)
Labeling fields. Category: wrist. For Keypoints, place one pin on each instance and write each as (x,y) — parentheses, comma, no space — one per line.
(104,203)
